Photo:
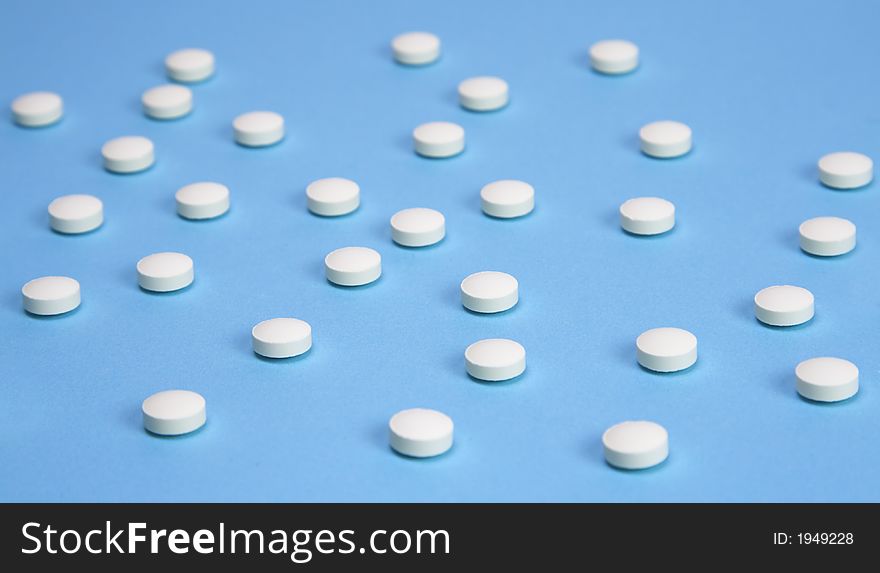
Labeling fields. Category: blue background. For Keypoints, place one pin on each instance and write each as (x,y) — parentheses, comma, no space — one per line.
(767,88)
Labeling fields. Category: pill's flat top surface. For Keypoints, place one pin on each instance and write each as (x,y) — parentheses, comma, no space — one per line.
(438,132)
(421,424)
(173,404)
(202,193)
(416,47)
(74,207)
(665,132)
(167,100)
(417,220)
(494,352)
(258,122)
(281,330)
(846,163)
(784,298)
(190,64)
(489,284)
(50,288)
(666,341)
(507,192)
(163,265)
(647,209)
(634,437)
(127,147)
(315,429)
(353,259)
(827,229)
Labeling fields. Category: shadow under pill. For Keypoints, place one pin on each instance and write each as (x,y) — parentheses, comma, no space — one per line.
(288,360)
(51,317)
(178,437)
(171,293)
(356,287)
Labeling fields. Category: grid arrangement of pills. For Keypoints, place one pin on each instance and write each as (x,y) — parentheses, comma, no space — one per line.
(489,257)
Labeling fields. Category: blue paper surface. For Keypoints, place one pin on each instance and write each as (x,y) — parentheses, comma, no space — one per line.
(767,88)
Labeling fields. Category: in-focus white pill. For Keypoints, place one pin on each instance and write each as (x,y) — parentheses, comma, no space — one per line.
(666,349)
(489,291)
(483,93)
(827,379)
(353,266)
(438,139)
(635,445)
(846,170)
(416,48)
(258,128)
(174,412)
(507,198)
(333,196)
(647,216)
(73,214)
(665,139)
(418,227)
(169,101)
(614,56)
(37,109)
(203,200)
(495,359)
(282,337)
(165,272)
(784,305)
(420,432)
(827,236)
(128,154)
(190,65)
(48,296)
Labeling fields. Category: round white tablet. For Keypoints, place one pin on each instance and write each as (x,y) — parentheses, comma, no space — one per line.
(614,56)
(167,102)
(438,139)
(635,445)
(666,349)
(165,272)
(174,412)
(489,291)
(827,379)
(333,196)
(495,359)
(418,227)
(827,236)
(190,65)
(483,93)
(846,170)
(665,139)
(258,128)
(353,266)
(47,296)
(128,154)
(282,337)
(203,200)
(420,433)
(647,216)
(74,214)
(37,109)
(784,305)
(507,198)
(416,48)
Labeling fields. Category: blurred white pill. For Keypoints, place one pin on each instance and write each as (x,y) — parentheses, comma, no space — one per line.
(37,109)
(165,272)
(74,214)
(827,236)
(203,200)
(418,227)
(827,379)
(846,170)
(416,48)
(665,139)
(483,93)
(128,154)
(174,412)
(438,139)
(353,266)
(258,128)
(420,432)
(333,196)
(47,296)
(614,56)
(784,305)
(282,337)
(647,216)
(168,101)
(635,445)
(190,65)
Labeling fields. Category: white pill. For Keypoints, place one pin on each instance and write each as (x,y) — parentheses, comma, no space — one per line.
(438,139)
(37,109)
(190,65)
(420,432)
(353,266)
(827,236)
(495,359)
(784,305)
(666,349)
(827,379)
(165,272)
(489,291)
(665,139)
(846,170)
(614,56)
(635,445)
(282,337)
(73,214)
(203,200)
(128,154)
(258,128)
(416,48)
(333,196)
(507,198)
(167,102)
(483,93)
(418,227)
(174,412)
(47,296)
(647,216)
